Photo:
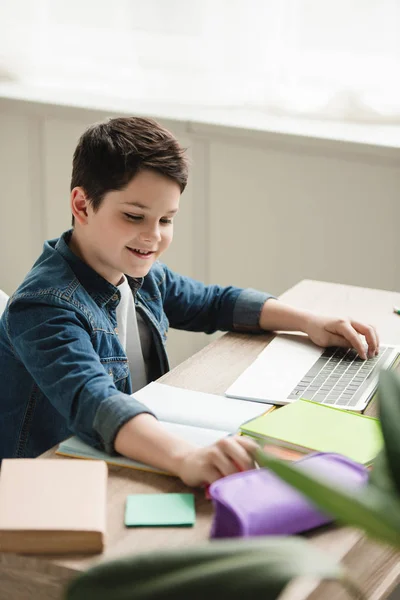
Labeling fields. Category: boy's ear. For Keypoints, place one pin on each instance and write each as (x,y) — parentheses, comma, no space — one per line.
(79,205)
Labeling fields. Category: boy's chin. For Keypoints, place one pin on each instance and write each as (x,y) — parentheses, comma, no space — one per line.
(140,272)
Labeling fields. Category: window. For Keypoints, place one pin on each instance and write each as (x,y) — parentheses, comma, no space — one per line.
(333,59)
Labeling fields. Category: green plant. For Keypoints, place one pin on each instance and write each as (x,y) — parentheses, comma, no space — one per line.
(376,508)
(234,569)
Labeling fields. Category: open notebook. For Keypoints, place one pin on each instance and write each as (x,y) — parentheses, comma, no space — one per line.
(197,417)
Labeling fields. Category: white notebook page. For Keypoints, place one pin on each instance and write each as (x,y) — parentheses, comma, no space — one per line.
(198,409)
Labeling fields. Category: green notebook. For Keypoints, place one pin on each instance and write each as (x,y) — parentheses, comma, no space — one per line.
(310,426)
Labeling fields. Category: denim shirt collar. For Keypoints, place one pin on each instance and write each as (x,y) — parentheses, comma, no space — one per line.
(101,290)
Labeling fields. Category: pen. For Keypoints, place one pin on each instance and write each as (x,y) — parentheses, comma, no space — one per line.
(396,310)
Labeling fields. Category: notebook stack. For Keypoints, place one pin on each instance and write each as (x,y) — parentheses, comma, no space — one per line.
(305,426)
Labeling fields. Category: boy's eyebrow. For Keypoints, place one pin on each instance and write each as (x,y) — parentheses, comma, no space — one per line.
(143,207)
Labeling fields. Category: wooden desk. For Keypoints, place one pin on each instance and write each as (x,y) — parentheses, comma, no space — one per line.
(213,369)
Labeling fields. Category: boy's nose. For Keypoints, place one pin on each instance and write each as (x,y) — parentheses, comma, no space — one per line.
(151,234)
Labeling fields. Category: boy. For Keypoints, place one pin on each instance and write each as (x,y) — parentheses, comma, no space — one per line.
(87,327)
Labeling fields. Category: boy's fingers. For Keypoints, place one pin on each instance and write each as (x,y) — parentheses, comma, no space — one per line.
(352,338)
(249,445)
(370,334)
(213,474)
(241,452)
(225,464)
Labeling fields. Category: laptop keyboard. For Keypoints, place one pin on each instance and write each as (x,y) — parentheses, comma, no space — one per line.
(339,377)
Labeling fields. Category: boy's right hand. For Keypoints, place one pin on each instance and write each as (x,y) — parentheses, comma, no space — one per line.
(202,466)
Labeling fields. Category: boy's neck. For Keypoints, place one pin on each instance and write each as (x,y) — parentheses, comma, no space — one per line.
(78,249)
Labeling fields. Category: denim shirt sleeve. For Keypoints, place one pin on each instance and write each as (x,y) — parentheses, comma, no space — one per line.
(53,342)
(194,306)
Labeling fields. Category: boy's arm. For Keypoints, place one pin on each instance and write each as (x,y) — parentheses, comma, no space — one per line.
(322,330)
(191,305)
(55,346)
(145,439)
(194,306)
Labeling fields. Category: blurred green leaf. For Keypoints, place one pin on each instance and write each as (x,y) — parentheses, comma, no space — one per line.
(234,569)
(389,415)
(381,476)
(374,511)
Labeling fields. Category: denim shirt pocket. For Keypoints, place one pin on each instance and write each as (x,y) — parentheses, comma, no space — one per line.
(119,371)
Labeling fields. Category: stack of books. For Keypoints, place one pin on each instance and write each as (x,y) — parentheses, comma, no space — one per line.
(305,426)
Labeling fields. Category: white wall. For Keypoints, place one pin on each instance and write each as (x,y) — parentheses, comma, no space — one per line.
(261,210)
(285,213)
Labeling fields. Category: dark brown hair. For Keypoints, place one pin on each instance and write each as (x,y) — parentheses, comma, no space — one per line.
(111,153)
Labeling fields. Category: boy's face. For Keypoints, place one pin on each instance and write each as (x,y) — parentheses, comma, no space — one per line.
(131,228)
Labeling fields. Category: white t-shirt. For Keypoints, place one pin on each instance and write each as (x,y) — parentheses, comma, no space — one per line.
(134,336)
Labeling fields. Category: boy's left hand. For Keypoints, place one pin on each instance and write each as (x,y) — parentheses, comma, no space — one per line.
(333,331)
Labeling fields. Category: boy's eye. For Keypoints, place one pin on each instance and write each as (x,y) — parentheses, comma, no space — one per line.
(164,221)
(133,217)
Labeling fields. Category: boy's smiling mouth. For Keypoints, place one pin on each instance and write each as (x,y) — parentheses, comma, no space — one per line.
(143,254)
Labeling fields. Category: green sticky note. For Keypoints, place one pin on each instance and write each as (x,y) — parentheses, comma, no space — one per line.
(160,510)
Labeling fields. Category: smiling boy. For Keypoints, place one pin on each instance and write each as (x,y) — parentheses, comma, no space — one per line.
(87,327)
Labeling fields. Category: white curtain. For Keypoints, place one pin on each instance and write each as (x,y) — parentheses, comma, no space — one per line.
(333,59)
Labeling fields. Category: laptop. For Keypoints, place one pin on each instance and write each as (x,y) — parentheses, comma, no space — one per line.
(292,367)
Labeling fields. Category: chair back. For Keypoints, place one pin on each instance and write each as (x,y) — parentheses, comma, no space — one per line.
(3,301)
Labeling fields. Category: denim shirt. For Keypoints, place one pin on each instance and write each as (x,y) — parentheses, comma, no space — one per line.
(63,369)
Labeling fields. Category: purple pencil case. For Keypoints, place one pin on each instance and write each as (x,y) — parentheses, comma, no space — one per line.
(258,502)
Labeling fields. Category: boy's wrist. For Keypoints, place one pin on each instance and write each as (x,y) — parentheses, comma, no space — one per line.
(178,456)
(276,315)
(145,439)
(303,318)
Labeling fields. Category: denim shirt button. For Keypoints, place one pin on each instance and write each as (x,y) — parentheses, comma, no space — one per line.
(114,297)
